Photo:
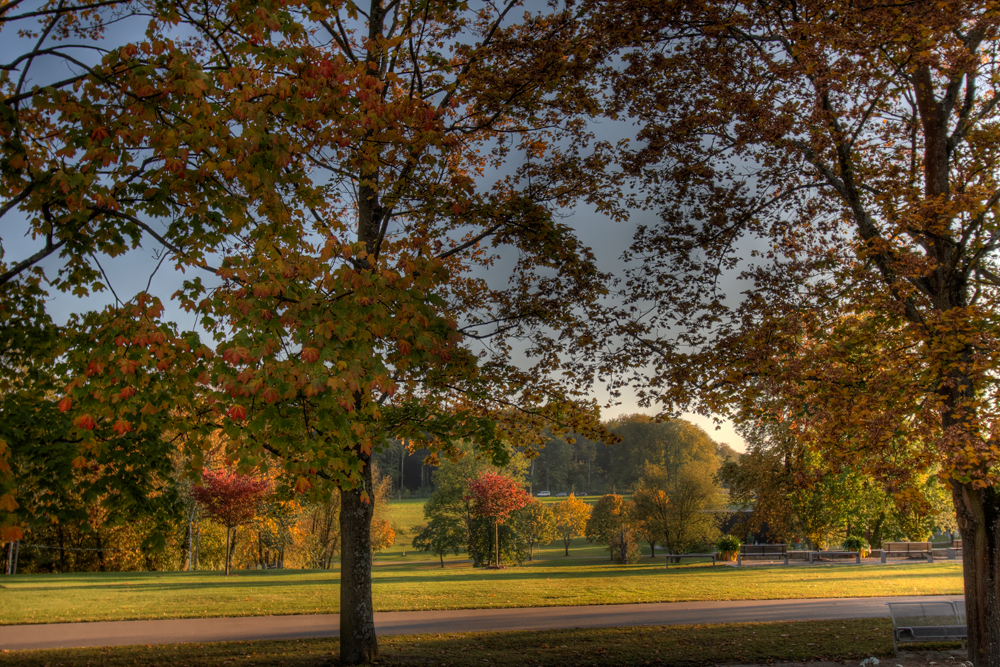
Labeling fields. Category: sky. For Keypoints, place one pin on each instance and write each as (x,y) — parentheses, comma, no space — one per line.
(130,273)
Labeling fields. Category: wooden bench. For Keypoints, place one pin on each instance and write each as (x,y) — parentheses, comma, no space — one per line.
(762,551)
(927,622)
(955,550)
(908,550)
(676,558)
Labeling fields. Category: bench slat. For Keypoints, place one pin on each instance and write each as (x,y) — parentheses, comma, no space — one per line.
(932,632)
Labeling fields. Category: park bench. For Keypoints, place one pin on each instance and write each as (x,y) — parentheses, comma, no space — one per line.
(762,551)
(955,550)
(676,558)
(908,550)
(927,622)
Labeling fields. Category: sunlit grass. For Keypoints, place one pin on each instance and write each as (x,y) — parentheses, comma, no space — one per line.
(117,596)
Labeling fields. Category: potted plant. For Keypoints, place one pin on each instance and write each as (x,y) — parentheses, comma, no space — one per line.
(859,544)
(728,546)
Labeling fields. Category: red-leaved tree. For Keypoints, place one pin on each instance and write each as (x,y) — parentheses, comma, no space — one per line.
(495,497)
(230,499)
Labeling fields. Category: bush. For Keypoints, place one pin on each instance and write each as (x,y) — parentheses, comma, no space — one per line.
(859,544)
(728,543)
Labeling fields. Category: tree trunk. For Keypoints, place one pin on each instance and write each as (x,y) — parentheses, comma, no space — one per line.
(441,556)
(358,643)
(10,557)
(228,529)
(496,539)
(566,544)
(978,513)
(17,552)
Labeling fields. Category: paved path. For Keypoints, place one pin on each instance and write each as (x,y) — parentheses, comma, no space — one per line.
(120,633)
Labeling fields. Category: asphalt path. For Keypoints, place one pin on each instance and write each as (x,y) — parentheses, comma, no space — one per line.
(183,631)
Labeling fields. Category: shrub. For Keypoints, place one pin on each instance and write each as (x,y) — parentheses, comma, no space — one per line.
(728,543)
(859,544)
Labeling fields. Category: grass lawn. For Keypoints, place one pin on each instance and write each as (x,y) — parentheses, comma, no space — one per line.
(746,643)
(117,596)
(408,513)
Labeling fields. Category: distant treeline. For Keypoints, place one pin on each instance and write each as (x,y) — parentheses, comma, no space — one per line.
(576,464)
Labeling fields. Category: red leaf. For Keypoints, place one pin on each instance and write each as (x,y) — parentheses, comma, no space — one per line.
(85,422)
(65,404)
(237,413)
(122,427)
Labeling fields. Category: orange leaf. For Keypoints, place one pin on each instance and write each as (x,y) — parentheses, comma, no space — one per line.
(122,427)
(65,404)
(10,534)
(85,422)
(237,413)
(8,503)
(79,462)
(310,354)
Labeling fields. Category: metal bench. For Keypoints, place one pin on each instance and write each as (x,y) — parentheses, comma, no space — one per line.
(676,558)
(762,551)
(927,622)
(908,550)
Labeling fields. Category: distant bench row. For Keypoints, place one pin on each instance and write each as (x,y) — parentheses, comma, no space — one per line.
(889,550)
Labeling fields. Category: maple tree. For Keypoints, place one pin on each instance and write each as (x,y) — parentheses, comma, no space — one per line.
(331,186)
(571,519)
(444,533)
(495,497)
(535,523)
(835,162)
(230,499)
(613,522)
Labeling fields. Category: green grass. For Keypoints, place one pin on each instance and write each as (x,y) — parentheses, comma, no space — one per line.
(407,513)
(117,596)
(746,643)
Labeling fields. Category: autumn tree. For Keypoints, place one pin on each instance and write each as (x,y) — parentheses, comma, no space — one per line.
(612,522)
(443,534)
(495,497)
(571,517)
(230,499)
(652,506)
(535,523)
(840,159)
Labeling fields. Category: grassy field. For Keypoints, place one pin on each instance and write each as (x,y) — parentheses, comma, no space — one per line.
(745,643)
(396,587)
(408,513)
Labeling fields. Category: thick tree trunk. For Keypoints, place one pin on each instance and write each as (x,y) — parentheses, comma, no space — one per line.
(978,513)
(358,643)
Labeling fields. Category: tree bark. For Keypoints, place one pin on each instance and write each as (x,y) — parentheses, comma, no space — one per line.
(358,643)
(228,529)
(978,513)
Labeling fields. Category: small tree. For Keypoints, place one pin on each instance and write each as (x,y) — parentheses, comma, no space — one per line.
(612,522)
(571,517)
(231,500)
(494,497)
(444,533)
(383,535)
(536,524)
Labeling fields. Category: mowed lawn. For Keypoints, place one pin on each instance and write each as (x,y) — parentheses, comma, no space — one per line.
(52,598)
(407,514)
